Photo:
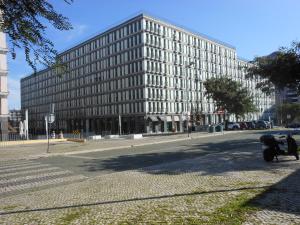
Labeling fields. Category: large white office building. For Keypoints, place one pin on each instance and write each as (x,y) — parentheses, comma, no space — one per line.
(145,73)
(287,95)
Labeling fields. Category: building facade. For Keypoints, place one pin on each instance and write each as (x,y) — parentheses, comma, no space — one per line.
(287,95)
(15,117)
(144,74)
(3,87)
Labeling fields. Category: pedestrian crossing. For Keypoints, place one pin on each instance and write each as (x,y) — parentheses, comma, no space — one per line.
(25,175)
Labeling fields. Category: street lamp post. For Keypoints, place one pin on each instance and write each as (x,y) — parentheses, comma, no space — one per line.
(187,96)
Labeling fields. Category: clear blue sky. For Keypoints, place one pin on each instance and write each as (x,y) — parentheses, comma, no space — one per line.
(254,27)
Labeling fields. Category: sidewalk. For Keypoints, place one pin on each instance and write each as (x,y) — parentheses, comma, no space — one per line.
(31,151)
(235,187)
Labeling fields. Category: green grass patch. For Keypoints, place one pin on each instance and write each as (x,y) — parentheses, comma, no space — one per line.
(73,215)
(234,212)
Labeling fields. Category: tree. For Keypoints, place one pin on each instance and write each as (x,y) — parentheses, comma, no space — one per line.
(285,109)
(23,21)
(280,69)
(229,95)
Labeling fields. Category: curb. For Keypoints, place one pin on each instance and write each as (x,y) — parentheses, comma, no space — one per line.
(46,155)
(134,145)
(30,142)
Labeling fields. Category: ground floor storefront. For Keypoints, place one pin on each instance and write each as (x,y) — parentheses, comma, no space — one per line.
(152,123)
(130,124)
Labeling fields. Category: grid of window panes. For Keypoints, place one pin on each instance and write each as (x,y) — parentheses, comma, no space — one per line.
(105,77)
(176,64)
(143,66)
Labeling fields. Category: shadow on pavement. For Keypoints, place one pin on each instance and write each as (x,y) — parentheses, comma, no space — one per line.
(129,200)
(283,196)
(239,156)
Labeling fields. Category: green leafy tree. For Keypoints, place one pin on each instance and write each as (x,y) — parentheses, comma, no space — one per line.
(280,69)
(229,95)
(285,109)
(24,23)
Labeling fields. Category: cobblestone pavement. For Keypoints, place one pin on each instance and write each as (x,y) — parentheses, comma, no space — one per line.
(181,192)
(25,175)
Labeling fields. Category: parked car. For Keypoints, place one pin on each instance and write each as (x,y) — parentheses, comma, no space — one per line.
(261,124)
(293,125)
(233,126)
(243,125)
(268,124)
(250,124)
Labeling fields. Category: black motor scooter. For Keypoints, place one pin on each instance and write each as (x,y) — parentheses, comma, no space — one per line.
(271,147)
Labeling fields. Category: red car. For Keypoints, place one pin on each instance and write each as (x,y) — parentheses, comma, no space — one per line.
(243,125)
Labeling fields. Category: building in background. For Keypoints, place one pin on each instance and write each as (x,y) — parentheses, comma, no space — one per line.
(15,117)
(3,88)
(144,74)
(287,95)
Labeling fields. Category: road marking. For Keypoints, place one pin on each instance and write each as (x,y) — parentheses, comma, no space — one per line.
(27,175)
(12,170)
(33,171)
(18,165)
(41,183)
(31,177)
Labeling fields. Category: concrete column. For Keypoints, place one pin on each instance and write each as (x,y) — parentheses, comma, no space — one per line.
(210,118)
(173,124)
(165,126)
(214,119)
(206,120)
(92,125)
(87,127)
(180,123)
(105,125)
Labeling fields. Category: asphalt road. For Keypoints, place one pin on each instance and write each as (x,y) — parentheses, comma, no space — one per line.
(105,162)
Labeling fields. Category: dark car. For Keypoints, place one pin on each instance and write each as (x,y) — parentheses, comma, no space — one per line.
(243,125)
(293,125)
(260,124)
(251,125)
(268,124)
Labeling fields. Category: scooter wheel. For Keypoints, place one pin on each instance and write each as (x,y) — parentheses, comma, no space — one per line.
(268,155)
